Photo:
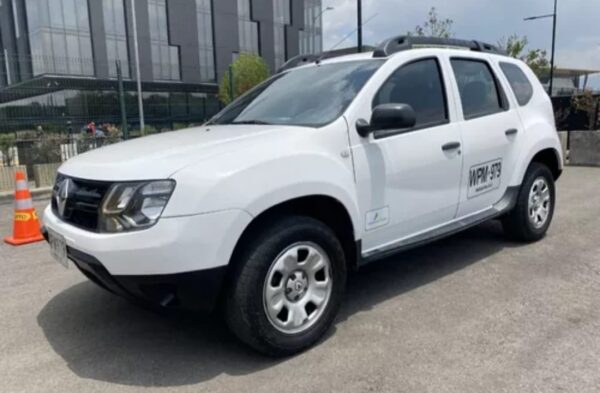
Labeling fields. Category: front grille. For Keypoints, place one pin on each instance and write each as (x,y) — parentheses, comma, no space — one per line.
(82,204)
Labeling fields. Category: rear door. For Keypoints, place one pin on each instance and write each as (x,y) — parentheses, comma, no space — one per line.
(490,131)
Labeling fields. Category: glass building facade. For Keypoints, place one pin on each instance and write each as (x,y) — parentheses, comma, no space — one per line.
(204,17)
(59,36)
(281,18)
(58,57)
(165,58)
(248,29)
(116,37)
(311,37)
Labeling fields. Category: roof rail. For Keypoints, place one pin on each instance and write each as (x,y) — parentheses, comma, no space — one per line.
(301,60)
(401,43)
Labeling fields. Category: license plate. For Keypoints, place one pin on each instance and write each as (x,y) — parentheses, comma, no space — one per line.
(58,247)
(484,177)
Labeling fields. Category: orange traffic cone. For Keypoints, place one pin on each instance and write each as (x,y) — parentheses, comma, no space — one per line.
(26,227)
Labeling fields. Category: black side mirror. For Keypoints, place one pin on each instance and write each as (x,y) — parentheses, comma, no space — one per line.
(388,117)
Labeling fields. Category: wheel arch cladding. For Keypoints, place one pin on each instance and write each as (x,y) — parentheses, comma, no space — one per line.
(551,158)
(324,208)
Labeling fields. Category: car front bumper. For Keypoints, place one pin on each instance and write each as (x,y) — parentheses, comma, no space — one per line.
(179,262)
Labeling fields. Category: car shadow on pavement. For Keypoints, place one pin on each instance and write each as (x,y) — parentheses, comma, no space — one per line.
(104,337)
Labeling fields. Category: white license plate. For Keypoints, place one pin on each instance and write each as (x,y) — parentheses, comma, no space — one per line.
(484,177)
(58,247)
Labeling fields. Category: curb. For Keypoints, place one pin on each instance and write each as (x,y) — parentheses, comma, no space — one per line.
(36,193)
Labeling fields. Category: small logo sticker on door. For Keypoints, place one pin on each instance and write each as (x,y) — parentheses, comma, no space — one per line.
(377,218)
(484,177)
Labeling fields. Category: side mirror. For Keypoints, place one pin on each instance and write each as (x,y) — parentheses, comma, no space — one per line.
(388,117)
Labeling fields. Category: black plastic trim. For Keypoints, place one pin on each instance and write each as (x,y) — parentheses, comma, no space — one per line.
(402,43)
(504,205)
(196,290)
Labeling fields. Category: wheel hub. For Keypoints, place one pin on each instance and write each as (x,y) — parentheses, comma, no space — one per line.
(296,285)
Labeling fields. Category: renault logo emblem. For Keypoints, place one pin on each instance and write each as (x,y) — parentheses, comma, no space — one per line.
(62,195)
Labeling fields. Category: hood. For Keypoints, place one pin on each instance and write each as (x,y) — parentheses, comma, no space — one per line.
(159,156)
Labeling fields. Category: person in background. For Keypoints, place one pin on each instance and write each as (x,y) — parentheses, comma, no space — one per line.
(91,128)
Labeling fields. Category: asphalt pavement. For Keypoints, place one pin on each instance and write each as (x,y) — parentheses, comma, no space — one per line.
(471,313)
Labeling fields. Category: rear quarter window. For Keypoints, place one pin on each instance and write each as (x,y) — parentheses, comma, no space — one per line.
(519,83)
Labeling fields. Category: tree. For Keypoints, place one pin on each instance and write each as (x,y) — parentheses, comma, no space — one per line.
(513,45)
(536,59)
(248,71)
(434,26)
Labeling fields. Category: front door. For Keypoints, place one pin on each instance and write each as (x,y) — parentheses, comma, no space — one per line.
(408,180)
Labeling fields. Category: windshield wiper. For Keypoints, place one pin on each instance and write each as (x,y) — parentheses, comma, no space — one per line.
(260,122)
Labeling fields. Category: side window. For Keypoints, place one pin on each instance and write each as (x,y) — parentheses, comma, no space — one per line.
(519,83)
(420,85)
(480,91)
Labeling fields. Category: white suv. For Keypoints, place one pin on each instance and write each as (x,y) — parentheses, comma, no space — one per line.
(331,164)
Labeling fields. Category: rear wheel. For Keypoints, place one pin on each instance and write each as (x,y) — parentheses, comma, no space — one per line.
(532,215)
(287,287)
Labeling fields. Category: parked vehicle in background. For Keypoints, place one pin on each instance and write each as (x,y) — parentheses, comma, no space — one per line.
(331,164)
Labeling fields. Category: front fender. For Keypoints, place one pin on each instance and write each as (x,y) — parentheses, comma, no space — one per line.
(263,183)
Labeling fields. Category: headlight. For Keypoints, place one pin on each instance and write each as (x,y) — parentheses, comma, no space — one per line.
(132,206)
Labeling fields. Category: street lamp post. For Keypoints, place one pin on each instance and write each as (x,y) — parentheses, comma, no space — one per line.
(359,22)
(553,16)
(137,68)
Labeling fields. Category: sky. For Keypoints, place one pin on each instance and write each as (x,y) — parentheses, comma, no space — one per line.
(577,39)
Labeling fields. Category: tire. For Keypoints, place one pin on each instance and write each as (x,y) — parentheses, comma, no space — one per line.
(519,224)
(260,268)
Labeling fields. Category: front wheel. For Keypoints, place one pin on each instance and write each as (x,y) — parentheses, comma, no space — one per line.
(287,287)
(531,217)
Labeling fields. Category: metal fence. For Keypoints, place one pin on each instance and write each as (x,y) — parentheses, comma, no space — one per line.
(63,95)
(48,149)
(569,118)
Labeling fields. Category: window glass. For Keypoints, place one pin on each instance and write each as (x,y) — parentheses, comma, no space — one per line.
(59,37)
(248,29)
(70,14)
(205,40)
(311,38)
(83,21)
(478,88)
(165,58)
(312,96)
(420,85)
(518,82)
(116,38)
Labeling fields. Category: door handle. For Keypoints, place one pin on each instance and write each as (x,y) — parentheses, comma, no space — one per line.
(451,146)
(510,132)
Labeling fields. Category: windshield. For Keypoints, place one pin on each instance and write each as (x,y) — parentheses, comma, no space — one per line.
(312,96)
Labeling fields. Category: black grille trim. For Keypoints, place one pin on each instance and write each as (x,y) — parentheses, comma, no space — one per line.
(83,203)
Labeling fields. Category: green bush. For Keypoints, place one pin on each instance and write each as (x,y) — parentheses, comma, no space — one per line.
(248,71)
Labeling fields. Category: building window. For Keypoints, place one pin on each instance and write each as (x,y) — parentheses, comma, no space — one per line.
(59,37)
(248,29)
(311,38)
(116,37)
(205,40)
(16,19)
(281,18)
(165,58)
